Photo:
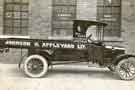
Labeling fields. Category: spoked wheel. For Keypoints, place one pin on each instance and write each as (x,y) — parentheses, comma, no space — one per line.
(35,66)
(126,68)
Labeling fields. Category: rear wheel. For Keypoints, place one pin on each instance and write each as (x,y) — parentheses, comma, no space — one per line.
(126,68)
(35,66)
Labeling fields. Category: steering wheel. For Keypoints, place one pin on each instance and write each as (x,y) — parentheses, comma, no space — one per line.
(89,38)
(93,41)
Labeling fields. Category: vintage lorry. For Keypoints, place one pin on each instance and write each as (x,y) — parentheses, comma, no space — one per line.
(45,53)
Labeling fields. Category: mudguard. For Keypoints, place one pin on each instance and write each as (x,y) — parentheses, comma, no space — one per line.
(121,57)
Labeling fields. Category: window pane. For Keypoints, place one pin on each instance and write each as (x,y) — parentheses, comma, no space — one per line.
(116,25)
(112,33)
(24,7)
(9,15)
(116,2)
(17,15)
(8,23)
(8,30)
(17,0)
(56,32)
(25,1)
(24,31)
(17,30)
(9,0)
(9,7)
(116,10)
(65,2)
(109,2)
(24,15)
(62,24)
(24,23)
(108,10)
(64,9)
(16,7)
(117,18)
(16,23)
(100,2)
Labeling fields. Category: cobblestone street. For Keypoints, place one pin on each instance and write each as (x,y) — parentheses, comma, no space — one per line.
(69,77)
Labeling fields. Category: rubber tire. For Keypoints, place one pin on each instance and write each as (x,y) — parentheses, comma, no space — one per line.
(45,66)
(120,63)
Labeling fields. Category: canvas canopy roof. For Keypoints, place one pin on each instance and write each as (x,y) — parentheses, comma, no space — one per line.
(89,23)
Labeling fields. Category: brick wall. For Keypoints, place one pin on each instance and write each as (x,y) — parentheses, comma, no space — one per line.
(128,24)
(40,18)
(1,13)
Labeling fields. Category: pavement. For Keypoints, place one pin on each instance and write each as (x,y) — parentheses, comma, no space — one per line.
(64,77)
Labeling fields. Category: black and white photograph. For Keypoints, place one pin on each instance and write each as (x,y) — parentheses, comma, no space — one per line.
(67,44)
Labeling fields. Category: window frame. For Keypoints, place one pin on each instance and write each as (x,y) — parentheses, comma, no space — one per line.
(114,14)
(16,27)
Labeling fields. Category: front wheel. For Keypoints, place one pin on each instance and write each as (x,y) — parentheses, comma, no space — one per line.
(35,66)
(126,68)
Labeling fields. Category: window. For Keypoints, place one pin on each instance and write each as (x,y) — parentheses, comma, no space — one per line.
(64,11)
(16,17)
(109,11)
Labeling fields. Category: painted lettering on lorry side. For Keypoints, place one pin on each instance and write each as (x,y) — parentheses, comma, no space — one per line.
(58,45)
(44,44)
(17,43)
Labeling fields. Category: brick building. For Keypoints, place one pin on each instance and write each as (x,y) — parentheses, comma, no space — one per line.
(44,18)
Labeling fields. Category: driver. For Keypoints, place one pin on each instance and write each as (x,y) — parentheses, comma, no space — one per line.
(91,31)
